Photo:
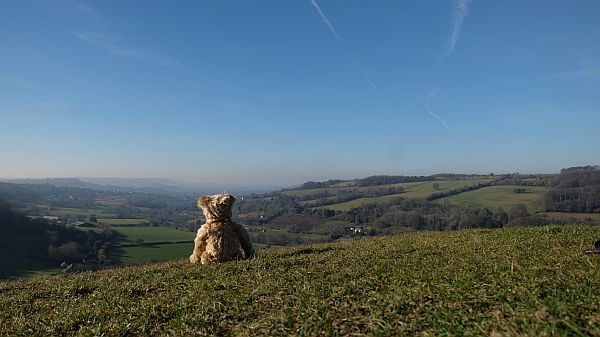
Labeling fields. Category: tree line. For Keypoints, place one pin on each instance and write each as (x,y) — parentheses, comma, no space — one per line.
(576,189)
(368,181)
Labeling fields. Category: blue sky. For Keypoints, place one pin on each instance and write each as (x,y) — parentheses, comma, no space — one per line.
(280,92)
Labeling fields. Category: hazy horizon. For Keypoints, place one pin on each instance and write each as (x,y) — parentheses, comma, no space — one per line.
(277,93)
(249,184)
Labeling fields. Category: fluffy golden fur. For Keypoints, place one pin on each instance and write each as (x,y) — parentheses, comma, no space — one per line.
(220,239)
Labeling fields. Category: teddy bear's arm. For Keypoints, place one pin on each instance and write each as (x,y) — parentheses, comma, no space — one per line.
(201,237)
(245,242)
(199,244)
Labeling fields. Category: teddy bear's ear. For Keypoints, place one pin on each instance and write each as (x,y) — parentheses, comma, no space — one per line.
(227,199)
(203,201)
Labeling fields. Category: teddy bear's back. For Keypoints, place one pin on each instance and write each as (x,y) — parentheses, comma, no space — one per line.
(222,243)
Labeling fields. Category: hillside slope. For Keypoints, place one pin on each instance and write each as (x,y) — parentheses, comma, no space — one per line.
(530,281)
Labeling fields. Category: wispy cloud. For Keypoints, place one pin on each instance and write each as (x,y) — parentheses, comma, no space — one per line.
(430,96)
(107,43)
(459,13)
(86,9)
(325,20)
(580,73)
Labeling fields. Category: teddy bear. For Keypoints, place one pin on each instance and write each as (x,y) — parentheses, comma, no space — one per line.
(220,239)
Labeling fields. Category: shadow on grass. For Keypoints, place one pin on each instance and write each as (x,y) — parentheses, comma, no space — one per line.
(24,267)
(115,249)
(21,255)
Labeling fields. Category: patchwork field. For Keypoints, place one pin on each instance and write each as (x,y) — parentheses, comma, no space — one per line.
(345,187)
(503,196)
(412,190)
(426,189)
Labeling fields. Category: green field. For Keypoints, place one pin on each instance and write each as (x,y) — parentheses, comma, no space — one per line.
(153,253)
(308,202)
(79,212)
(154,234)
(348,205)
(414,190)
(514,282)
(500,196)
(122,221)
(147,252)
(426,189)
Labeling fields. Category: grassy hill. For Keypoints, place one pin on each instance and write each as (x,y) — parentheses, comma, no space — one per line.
(531,281)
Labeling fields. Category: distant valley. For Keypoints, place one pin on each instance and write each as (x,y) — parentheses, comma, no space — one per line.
(108,222)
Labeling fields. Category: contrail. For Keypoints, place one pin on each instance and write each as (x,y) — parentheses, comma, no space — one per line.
(460,12)
(99,40)
(379,96)
(431,95)
(366,77)
(325,20)
(370,82)
(183,70)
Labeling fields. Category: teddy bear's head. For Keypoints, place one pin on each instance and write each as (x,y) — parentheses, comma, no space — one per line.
(216,208)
